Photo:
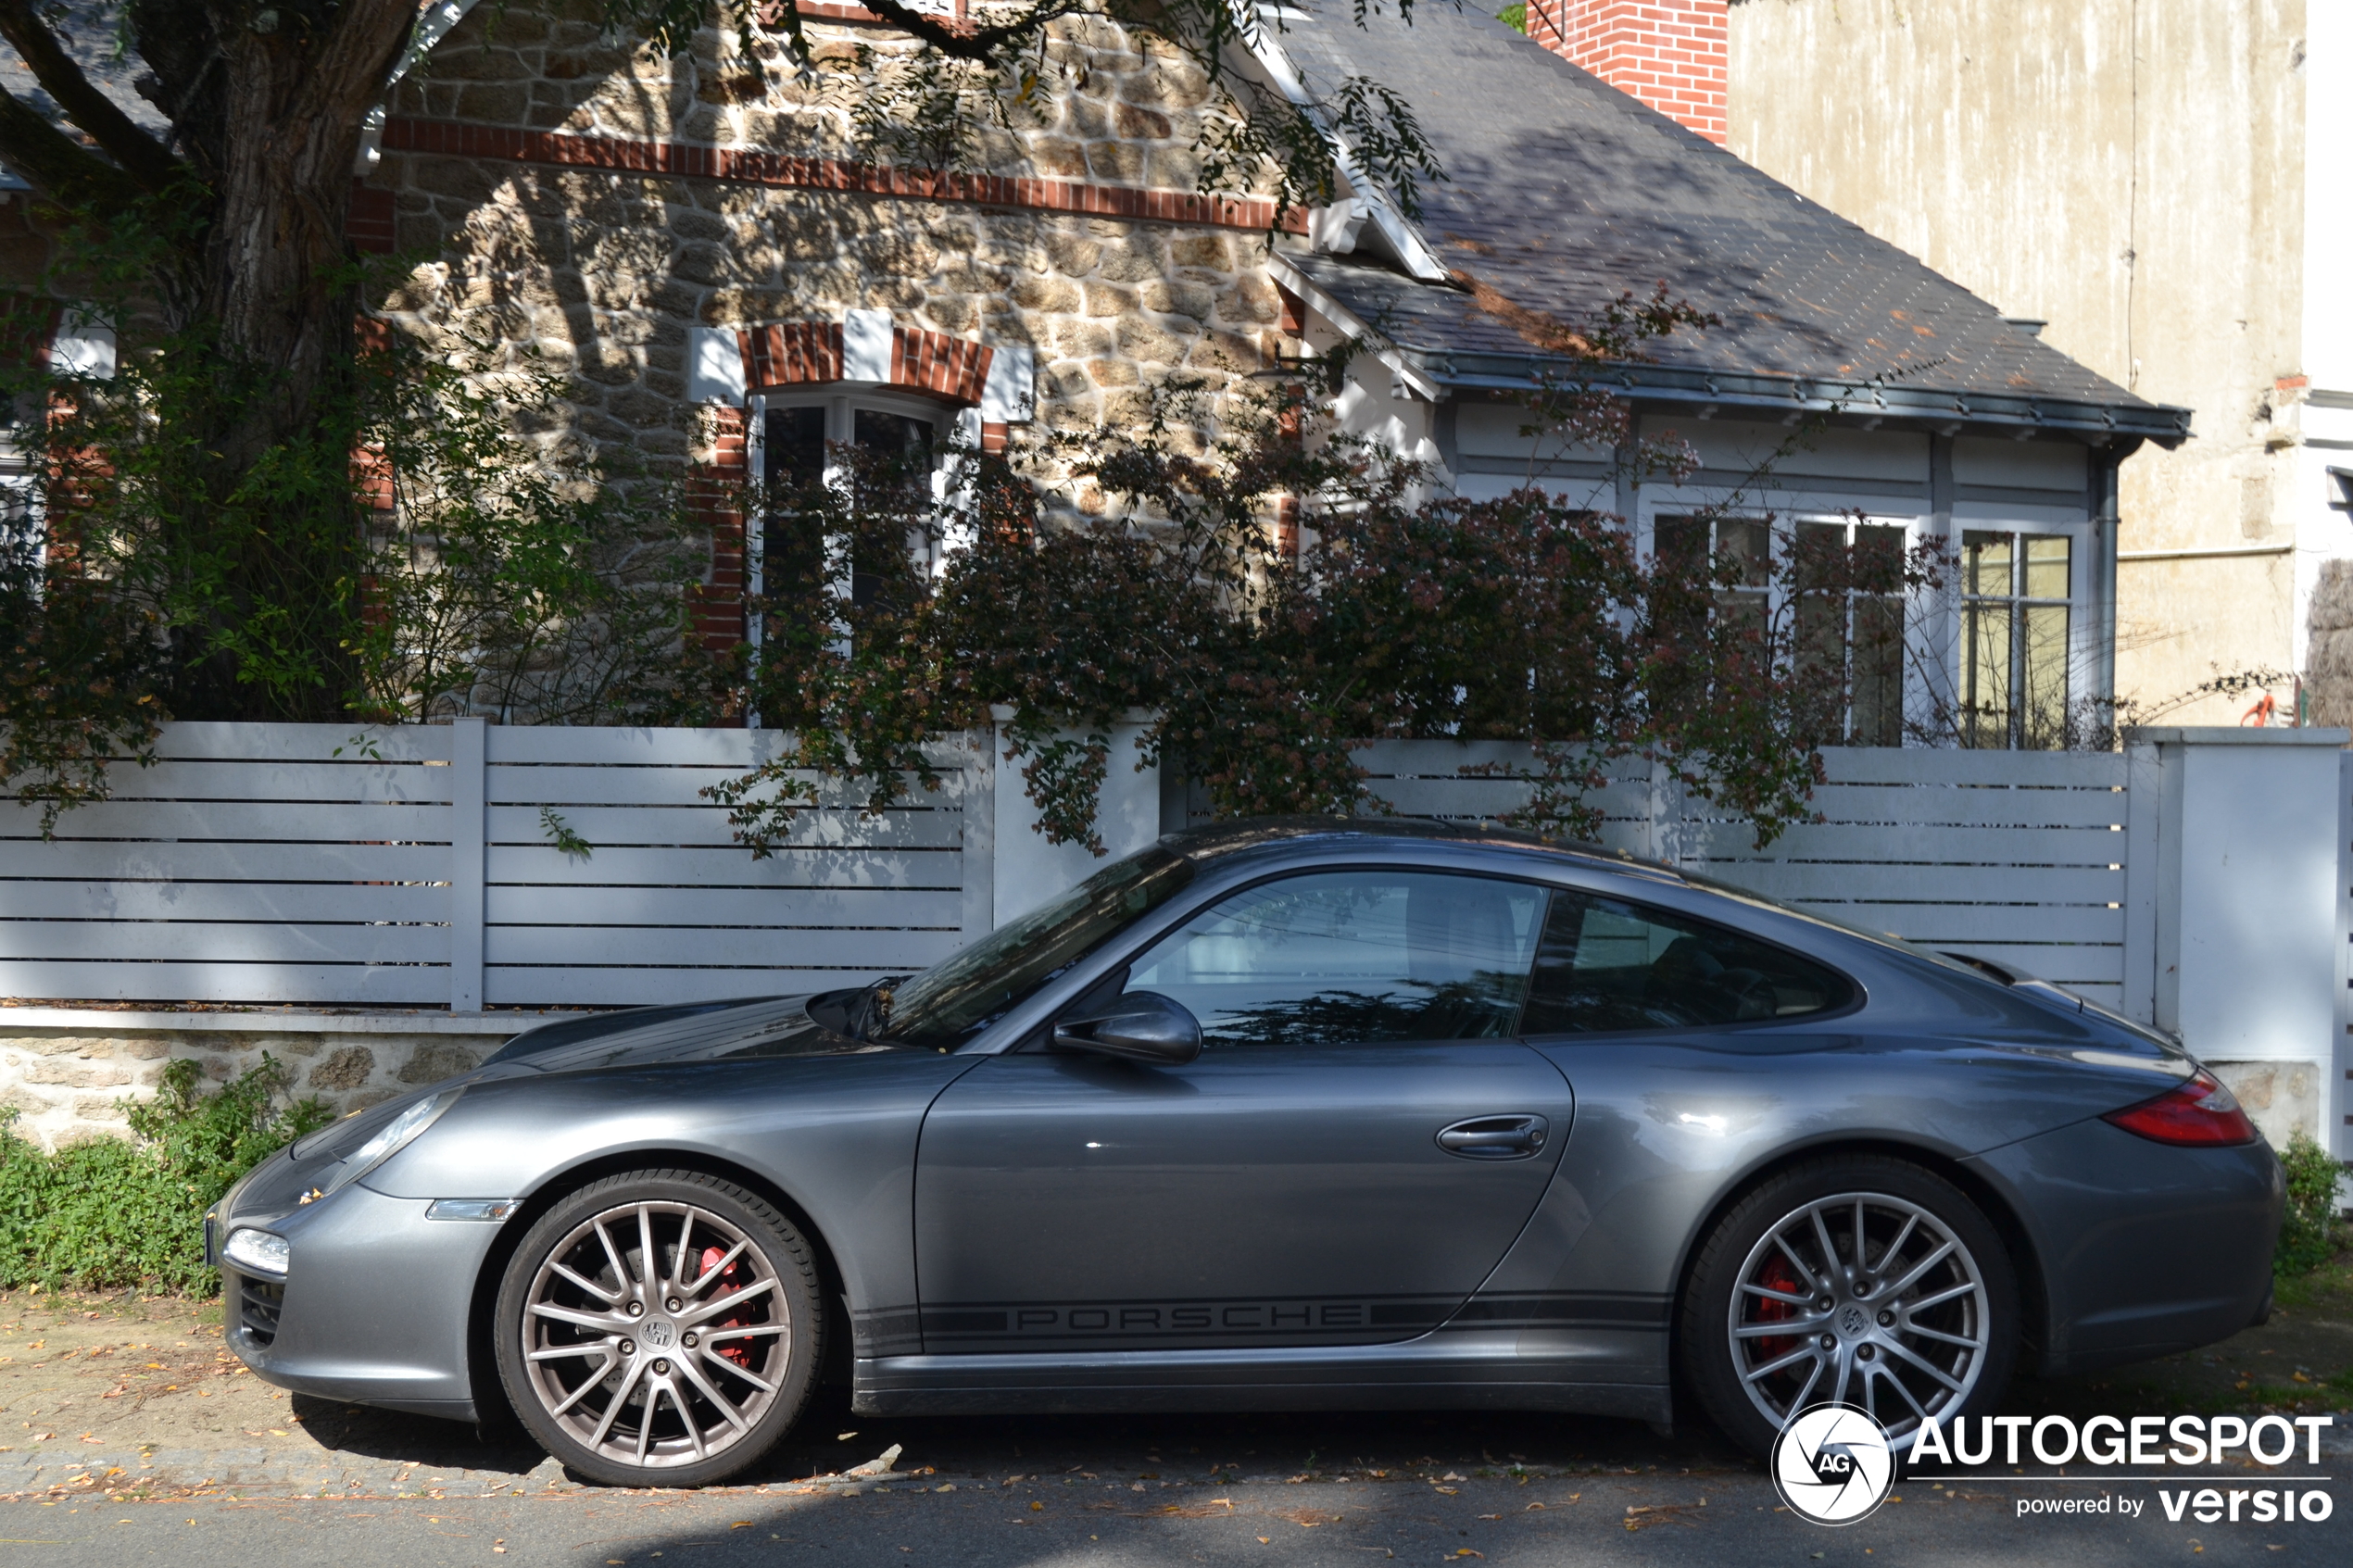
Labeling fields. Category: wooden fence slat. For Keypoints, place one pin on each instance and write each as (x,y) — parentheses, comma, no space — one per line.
(867,908)
(305,742)
(289,902)
(1890,765)
(689,947)
(278,822)
(1988,923)
(351,984)
(1722,843)
(224,942)
(655,987)
(1864,883)
(703,827)
(346,863)
(217,780)
(1929,806)
(565,787)
(796,867)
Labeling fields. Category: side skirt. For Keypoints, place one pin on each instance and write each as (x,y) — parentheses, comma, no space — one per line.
(1437,1372)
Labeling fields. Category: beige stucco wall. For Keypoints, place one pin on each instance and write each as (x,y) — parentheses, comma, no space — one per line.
(2130,170)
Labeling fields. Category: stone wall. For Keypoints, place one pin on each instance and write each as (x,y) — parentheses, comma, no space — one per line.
(601,273)
(66,1074)
(2280,1098)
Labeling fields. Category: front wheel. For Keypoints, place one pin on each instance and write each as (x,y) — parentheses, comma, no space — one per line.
(660,1328)
(1855,1279)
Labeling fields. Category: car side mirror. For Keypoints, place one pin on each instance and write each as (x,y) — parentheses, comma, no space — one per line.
(1140,1026)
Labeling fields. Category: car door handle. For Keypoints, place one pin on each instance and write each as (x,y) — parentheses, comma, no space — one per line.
(1494,1138)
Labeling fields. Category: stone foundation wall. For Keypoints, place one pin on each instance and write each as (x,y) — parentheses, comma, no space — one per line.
(66,1079)
(2280,1098)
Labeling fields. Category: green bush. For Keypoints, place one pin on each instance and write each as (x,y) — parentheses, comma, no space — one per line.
(2307,1229)
(109,1214)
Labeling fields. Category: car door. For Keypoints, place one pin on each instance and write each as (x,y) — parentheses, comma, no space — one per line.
(1357,1145)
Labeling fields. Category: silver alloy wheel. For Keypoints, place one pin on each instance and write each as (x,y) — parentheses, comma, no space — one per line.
(655,1335)
(1865,1300)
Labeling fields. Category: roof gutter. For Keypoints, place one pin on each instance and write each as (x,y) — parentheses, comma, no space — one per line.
(1793,397)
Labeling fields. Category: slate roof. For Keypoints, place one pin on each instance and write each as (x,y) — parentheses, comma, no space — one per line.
(1562,192)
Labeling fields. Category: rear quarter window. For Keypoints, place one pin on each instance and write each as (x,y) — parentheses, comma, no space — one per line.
(1610,966)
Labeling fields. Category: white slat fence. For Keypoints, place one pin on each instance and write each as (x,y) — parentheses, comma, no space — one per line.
(2016,856)
(412,867)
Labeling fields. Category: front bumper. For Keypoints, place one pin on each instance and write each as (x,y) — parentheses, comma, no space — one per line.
(375,1306)
(2144,1249)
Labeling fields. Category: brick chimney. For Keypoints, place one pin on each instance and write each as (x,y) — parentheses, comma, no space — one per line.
(1670,54)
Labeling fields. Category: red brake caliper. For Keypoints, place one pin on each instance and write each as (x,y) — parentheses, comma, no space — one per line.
(735,1350)
(1777,1275)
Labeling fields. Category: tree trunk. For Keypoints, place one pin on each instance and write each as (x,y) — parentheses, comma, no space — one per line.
(276,296)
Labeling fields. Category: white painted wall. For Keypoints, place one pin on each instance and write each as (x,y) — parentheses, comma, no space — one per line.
(1029,870)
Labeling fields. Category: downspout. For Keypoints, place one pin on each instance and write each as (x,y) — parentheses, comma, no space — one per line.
(2102,503)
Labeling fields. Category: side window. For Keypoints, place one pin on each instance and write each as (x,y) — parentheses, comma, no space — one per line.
(1607,966)
(1344,958)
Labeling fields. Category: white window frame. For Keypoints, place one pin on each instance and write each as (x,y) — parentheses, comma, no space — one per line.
(842,402)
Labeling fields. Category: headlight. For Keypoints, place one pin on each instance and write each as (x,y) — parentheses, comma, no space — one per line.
(390,1139)
(258,1252)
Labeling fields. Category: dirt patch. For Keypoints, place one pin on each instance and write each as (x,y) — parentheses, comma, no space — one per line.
(130,1372)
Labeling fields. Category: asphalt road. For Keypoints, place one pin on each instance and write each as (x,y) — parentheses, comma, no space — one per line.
(1074,1493)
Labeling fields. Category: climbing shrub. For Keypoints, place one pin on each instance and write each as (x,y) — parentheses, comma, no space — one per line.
(113,1214)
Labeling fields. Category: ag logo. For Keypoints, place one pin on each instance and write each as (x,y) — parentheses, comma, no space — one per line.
(1833,1464)
(658,1335)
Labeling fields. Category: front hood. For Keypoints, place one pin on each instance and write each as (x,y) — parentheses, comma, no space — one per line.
(765,1026)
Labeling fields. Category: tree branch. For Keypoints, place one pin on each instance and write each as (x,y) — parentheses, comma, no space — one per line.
(141,156)
(55,163)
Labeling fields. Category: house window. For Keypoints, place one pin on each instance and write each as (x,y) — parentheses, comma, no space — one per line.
(2015,632)
(1850,626)
(1828,624)
(1744,543)
(800,436)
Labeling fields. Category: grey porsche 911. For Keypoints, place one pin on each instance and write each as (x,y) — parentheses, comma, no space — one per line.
(1277,1115)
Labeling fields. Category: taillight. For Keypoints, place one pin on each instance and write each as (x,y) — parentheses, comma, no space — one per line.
(2198,1112)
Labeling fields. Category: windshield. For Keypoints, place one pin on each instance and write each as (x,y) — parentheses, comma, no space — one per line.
(950,1002)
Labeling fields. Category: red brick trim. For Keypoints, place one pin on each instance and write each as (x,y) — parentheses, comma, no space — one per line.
(993,436)
(798,352)
(791,352)
(369,224)
(946,367)
(747,167)
(716,606)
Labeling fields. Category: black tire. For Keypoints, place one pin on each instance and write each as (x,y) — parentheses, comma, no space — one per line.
(649,1378)
(1940,1342)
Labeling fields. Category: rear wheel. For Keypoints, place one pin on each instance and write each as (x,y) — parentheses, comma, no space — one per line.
(660,1328)
(1855,1279)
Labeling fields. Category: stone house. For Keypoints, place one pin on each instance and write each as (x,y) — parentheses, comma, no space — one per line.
(735,270)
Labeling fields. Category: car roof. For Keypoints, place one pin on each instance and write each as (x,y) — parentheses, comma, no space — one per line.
(1216,841)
